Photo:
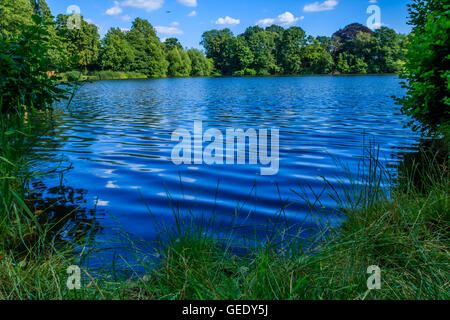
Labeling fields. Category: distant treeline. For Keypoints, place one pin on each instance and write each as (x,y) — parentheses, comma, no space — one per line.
(275,50)
(270,51)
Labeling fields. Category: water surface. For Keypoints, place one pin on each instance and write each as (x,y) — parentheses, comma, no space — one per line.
(117,137)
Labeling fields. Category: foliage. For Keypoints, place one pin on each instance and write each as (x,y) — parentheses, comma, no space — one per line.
(114,75)
(83,42)
(275,50)
(200,65)
(117,54)
(25,63)
(148,52)
(427,68)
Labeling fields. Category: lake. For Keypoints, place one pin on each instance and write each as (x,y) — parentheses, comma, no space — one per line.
(116,138)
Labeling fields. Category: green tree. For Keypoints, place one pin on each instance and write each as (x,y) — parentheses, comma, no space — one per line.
(186,63)
(40,8)
(242,56)
(315,58)
(116,54)
(217,44)
(171,43)
(179,63)
(428,66)
(14,14)
(148,51)
(262,44)
(175,64)
(24,64)
(83,42)
(292,44)
(200,65)
(389,52)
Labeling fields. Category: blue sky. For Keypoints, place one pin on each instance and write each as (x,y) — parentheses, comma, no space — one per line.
(188,19)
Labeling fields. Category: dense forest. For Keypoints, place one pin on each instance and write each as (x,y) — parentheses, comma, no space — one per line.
(274,50)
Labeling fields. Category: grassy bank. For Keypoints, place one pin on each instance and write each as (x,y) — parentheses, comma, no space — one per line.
(404,231)
(102,75)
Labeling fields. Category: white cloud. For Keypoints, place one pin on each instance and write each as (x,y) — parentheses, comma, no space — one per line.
(324,6)
(148,5)
(373,1)
(114,11)
(285,19)
(192,14)
(175,24)
(126,18)
(227,21)
(188,3)
(168,31)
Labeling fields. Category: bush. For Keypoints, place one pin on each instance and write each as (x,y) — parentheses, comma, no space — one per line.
(73,76)
(245,72)
(427,68)
(29,74)
(115,75)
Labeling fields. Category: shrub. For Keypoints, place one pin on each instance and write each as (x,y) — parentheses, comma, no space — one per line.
(29,73)
(427,69)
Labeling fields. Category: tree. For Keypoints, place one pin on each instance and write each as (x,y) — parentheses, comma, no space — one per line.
(242,56)
(315,58)
(262,45)
(186,63)
(83,42)
(14,15)
(389,51)
(200,65)
(179,63)
(24,64)
(117,54)
(217,44)
(41,9)
(427,68)
(294,39)
(148,52)
(171,43)
(350,32)
(175,64)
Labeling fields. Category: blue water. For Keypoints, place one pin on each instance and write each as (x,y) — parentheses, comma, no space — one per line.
(117,137)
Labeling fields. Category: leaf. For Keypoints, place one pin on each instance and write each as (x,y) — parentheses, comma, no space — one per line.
(7,161)
(299,283)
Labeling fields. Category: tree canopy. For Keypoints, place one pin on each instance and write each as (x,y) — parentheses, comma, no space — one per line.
(273,50)
(276,50)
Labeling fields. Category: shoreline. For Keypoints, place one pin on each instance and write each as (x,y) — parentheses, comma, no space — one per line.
(91,78)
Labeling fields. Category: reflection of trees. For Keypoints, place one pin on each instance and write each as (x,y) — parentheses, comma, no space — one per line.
(61,208)
(65,209)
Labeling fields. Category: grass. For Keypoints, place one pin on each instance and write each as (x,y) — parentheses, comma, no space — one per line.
(405,233)
(403,229)
(102,75)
